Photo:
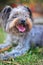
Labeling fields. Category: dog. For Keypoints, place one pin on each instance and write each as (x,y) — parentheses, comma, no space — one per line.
(18,24)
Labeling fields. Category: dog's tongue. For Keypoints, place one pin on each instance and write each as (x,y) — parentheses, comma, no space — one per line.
(21,28)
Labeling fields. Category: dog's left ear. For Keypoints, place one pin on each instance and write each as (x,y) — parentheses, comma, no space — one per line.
(30,13)
(6,12)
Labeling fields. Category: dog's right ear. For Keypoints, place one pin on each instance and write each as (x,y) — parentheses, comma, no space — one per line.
(6,12)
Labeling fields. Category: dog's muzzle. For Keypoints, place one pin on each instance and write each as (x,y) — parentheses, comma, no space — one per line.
(23,21)
(23,26)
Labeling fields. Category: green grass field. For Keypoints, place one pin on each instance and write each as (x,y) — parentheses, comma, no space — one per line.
(32,57)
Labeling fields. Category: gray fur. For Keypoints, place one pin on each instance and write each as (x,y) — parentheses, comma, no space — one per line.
(23,40)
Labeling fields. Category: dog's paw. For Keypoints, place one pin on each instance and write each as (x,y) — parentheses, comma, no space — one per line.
(1,46)
(4,57)
(1,56)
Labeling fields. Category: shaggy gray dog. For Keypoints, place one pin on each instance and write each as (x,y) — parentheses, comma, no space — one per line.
(17,23)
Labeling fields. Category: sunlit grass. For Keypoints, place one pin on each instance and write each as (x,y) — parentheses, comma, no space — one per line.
(2,35)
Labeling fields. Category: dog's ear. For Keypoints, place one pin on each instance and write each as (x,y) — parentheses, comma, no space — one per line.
(30,13)
(6,12)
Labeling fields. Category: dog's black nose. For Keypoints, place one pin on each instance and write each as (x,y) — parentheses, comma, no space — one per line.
(22,21)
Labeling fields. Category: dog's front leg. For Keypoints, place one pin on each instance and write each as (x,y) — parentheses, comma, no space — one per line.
(18,51)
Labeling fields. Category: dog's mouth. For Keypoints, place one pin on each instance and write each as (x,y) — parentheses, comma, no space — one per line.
(21,27)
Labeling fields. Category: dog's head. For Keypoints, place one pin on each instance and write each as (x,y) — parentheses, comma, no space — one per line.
(17,20)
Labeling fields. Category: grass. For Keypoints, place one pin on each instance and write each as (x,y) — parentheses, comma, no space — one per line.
(33,57)
(2,35)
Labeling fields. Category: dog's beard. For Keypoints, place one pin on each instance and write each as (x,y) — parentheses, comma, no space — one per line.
(18,28)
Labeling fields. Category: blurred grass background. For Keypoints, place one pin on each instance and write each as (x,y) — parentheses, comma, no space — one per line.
(2,35)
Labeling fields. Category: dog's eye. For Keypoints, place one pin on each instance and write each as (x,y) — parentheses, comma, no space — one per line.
(14,17)
(25,16)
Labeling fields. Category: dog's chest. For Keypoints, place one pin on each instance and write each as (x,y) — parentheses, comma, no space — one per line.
(16,39)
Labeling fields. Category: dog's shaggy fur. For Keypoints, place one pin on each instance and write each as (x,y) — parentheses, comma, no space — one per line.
(17,22)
